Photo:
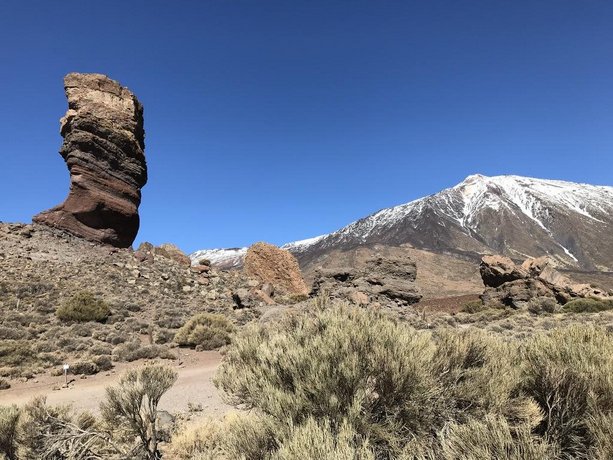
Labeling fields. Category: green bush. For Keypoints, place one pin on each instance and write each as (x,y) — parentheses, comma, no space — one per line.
(83,306)
(588,305)
(206,330)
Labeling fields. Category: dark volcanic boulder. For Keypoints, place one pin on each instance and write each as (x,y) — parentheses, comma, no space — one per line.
(512,285)
(104,142)
(497,270)
(378,279)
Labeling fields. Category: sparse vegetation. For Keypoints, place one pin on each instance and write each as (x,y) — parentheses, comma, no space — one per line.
(131,351)
(474,306)
(206,331)
(341,382)
(131,406)
(83,306)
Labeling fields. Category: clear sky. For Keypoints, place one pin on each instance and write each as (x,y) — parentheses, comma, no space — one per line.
(282,120)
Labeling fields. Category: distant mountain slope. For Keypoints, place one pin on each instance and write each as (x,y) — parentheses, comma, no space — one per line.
(517,216)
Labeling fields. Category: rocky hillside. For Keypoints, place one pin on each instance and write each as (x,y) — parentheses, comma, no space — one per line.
(516,216)
(149,296)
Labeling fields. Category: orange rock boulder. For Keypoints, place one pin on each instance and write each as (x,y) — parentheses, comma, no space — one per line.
(278,267)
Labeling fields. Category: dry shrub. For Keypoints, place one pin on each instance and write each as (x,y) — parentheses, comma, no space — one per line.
(477,371)
(600,427)
(237,436)
(9,423)
(337,363)
(389,381)
(83,306)
(474,306)
(54,433)
(15,353)
(412,395)
(131,406)
(206,330)
(492,438)
(316,440)
(543,305)
(193,440)
(250,436)
(569,373)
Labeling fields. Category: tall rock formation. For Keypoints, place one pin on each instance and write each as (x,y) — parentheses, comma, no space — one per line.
(104,143)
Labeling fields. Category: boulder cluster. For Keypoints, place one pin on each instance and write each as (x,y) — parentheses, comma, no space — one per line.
(104,144)
(514,285)
(383,280)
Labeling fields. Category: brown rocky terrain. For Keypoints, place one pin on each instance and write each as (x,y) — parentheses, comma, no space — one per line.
(376,280)
(149,299)
(104,144)
(438,275)
(515,285)
(148,294)
(447,233)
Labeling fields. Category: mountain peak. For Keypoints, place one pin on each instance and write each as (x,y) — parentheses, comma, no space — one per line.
(474,178)
(512,215)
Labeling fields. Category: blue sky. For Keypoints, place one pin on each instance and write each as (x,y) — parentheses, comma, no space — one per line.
(282,120)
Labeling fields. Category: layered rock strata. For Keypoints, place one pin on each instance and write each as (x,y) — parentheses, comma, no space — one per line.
(382,280)
(104,143)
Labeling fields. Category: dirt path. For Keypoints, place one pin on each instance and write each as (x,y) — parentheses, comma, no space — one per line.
(194,386)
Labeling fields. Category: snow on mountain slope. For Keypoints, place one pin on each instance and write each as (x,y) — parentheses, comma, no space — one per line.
(512,215)
(221,258)
(233,257)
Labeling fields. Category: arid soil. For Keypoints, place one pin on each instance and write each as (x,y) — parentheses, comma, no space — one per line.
(194,389)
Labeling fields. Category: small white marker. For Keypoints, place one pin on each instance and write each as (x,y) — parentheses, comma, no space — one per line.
(66,367)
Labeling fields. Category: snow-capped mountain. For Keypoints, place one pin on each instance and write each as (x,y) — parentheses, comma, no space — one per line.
(517,216)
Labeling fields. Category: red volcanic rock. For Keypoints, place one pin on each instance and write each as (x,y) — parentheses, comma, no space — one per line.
(104,142)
